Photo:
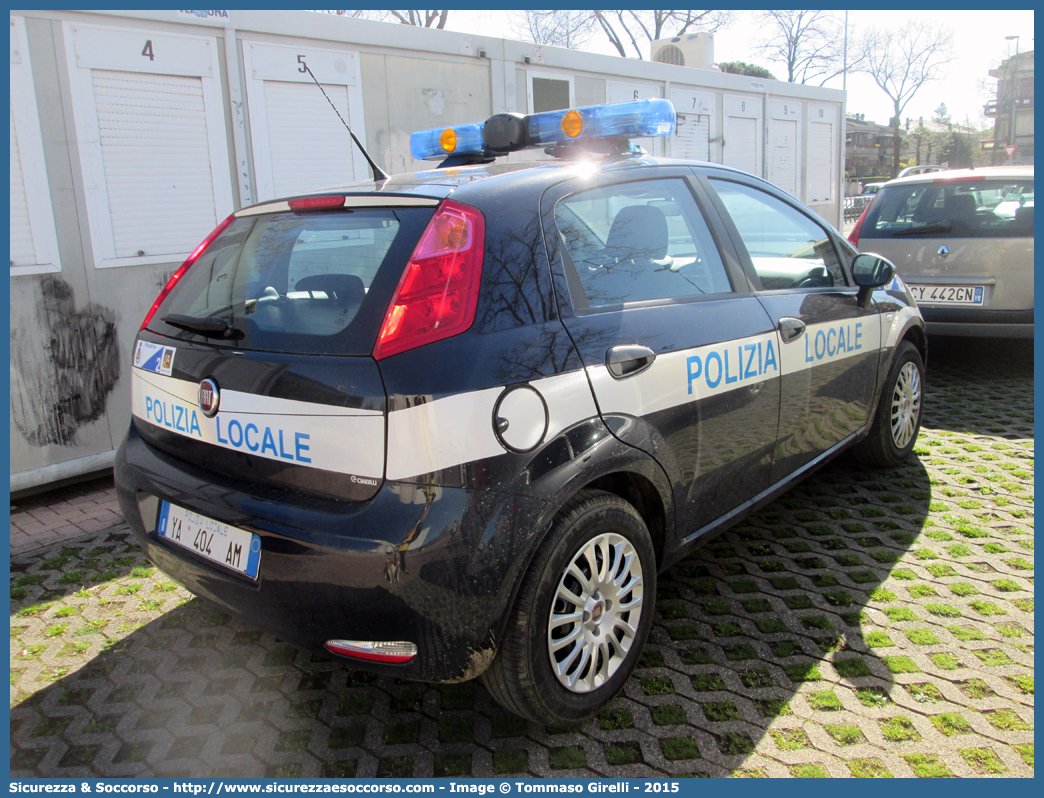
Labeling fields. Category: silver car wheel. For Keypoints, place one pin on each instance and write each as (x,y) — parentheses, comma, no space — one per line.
(595,614)
(906,405)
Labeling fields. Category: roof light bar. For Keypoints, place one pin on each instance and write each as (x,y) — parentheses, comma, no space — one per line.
(505,133)
(443,141)
(393,652)
(629,120)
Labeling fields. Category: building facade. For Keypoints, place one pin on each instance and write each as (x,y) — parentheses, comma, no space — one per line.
(1014,102)
(868,148)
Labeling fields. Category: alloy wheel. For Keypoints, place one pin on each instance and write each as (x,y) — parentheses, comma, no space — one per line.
(595,613)
(906,405)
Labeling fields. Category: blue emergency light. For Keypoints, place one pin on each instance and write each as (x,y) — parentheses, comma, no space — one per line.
(630,120)
(505,133)
(443,141)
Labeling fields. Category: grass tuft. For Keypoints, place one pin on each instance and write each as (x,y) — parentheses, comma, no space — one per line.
(927,766)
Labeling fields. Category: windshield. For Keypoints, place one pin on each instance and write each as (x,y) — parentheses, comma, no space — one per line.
(957,209)
(310,283)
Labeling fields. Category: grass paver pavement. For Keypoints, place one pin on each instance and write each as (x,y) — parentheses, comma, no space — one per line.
(866,624)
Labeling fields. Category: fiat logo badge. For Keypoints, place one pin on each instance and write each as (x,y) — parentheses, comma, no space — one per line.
(209,397)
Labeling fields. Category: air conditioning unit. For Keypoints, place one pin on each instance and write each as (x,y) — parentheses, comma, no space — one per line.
(690,50)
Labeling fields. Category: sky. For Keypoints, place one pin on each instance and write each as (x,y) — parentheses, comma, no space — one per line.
(978,38)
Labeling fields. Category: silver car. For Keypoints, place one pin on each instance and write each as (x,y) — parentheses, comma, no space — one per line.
(962,240)
(922,169)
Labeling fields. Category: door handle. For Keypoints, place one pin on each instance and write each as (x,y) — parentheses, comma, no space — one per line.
(790,329)
(628,361)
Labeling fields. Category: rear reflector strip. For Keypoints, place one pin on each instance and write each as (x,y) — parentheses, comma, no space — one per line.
(396,652)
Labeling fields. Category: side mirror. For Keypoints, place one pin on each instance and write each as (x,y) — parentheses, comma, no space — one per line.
(871,271)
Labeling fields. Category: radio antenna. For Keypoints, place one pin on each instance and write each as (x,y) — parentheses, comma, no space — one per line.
(378,173)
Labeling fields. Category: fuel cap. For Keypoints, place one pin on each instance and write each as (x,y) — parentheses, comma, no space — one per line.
(520,418)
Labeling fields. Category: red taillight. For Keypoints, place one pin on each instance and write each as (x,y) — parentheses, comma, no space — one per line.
(854,235)
(184,268)
(315,203)
(439,287)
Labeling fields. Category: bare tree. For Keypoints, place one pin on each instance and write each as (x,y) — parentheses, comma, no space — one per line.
(559,28)
(810,43)
(631,31)
(901,60)
(421,19)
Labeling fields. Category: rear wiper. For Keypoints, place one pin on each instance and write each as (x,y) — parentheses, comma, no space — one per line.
(209,326)
(943,227)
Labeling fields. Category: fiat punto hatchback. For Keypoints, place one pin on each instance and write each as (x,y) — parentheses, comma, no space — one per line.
(452,424)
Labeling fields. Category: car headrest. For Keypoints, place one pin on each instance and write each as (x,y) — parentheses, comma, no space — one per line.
(638,232)
(343,287)
(1024,217)
(961,206)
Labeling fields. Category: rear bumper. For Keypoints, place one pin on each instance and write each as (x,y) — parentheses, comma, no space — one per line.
(971,322)
(433,566)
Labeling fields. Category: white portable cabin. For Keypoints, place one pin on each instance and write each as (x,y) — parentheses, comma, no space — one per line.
(133,133)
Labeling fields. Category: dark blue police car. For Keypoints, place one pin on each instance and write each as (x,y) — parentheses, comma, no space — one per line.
(452,424)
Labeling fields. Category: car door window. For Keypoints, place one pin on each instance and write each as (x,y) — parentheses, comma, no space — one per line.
(640,241)
(788,249)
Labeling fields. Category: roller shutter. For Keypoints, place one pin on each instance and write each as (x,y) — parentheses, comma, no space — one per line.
(150,128)
(156,159)
(821,155)
(692,133)
(783,155)
(309,147)
(299,144)
(743,133)
(784,137)
(741,144)
(692,139)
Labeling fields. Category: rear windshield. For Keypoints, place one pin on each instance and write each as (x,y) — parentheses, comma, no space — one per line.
(958,209)
(310,283)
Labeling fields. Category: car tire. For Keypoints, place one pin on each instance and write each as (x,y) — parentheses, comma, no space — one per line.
(898,418)
(559,672)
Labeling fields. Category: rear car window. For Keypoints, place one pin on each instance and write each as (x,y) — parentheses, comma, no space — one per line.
(640,241)
(957,209)
(309,283)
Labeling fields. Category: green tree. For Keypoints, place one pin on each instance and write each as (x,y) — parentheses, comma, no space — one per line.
(926,144)
(743,68)
(959,149)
